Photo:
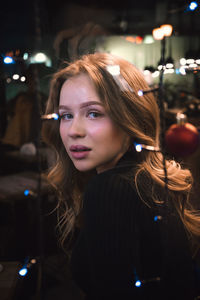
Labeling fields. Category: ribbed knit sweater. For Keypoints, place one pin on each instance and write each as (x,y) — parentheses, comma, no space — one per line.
(123,241)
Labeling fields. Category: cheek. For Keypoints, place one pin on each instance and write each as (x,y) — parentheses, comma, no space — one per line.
(107,133)
(62,133)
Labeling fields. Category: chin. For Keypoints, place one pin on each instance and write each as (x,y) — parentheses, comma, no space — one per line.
(82,168)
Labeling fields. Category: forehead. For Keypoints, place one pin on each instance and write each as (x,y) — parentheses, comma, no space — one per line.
(78,87)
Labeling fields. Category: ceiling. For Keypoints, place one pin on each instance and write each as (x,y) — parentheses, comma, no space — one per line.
(18,22)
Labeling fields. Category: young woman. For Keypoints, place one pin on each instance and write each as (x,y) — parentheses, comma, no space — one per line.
(137,238)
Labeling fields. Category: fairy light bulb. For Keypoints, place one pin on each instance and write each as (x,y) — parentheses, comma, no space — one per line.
(138,283)
(158,34)
(167,29)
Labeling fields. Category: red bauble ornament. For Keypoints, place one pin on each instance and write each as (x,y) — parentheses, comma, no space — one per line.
(182,139)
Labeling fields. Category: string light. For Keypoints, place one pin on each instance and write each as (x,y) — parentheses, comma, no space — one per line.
(138,283)
(140,93)
(156,218)
(193,5)
(15,76)
(23,79)
(53,116)
(139,147)
(26,266)
(143,92)
(8,60)
(23,271)
(29,193)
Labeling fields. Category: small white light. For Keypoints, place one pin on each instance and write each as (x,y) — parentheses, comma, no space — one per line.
(55,116)
(138,283)
(198,61)
(50,116)
(155,74)
(114,70)
(23,78)
(40,57)
(146,72)
(23,272)
(193,5)
(190,61)
(8,60)
(25,56)
(169,65)
(160,67)
(140,93)
(169,71)
(192,65)
(182,70)
(138,147)
(183,61)
(15,76)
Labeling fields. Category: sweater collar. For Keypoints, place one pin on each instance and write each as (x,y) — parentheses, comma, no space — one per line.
(129,159)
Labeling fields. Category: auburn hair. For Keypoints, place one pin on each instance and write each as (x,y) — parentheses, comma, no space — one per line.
(136,115)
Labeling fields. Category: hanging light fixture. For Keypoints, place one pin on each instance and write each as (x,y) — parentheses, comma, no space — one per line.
(169,63)
(161,33)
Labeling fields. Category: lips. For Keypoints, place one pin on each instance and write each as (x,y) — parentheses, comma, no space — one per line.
(79,152)
(79,148)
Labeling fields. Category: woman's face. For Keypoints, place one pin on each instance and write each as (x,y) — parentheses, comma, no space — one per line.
(90,137)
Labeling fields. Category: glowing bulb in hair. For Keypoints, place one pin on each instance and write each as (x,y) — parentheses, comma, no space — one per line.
(138,147)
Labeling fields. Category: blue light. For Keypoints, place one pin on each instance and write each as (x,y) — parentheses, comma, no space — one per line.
(8,60)
(156,218)
(193,5)
(26,192)
(23,271)
(140,93)
(55,116)
(138,283)
(138,147)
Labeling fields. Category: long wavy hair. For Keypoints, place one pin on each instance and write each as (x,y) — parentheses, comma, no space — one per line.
(138,116)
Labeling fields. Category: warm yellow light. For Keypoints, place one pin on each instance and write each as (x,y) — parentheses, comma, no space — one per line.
(162,31)
(158,34)
(167,29)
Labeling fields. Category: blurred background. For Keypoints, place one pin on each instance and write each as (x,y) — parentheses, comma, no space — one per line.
(36,37)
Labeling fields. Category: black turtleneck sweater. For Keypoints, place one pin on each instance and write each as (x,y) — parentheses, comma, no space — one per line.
(125,239)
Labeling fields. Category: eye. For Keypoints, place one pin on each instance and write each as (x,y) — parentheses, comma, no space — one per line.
(94,114)
(66,116)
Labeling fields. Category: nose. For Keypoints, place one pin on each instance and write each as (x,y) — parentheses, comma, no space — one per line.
(77,128)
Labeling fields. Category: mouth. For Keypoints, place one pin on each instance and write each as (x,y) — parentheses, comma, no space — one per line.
(79,148)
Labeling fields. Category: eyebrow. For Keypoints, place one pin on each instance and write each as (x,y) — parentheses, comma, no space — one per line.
(83,105)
